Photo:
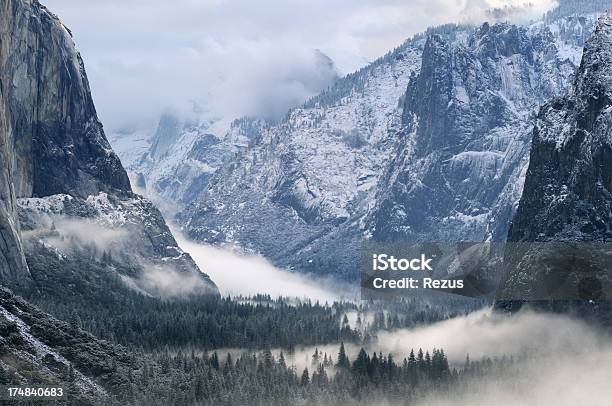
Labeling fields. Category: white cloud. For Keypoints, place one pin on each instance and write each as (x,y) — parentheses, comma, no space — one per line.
(70,232)
(241,56)
(485,334)
(166,282)
(249,275)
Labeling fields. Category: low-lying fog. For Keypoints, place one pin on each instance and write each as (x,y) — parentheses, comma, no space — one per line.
(569,362)
(238,274)
(564,361)
(481,334)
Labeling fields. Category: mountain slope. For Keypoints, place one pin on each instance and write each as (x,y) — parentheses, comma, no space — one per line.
(304,176)
(429,143)
(36,349)
(457,171)
(183,155)
(176,160)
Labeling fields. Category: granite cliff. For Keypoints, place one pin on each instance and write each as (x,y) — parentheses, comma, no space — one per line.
(53,147)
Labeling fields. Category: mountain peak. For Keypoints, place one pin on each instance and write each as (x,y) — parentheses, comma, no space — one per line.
(594,76)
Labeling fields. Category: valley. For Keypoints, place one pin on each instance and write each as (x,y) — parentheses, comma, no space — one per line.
(208,261)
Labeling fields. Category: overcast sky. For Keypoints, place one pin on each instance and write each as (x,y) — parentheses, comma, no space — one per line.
(240,57)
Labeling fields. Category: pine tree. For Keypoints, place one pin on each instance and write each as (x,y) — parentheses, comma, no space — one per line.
(214,361)
(315,358)
(322,375)
(412,359)
(305,380)
(420,359)
(444,361)
(229,364)
(343,361)
(467,365)
(391,367)
(281,360)
(361,364)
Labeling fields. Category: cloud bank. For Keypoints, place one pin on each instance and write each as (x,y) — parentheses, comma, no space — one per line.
(242,57)
(559,361)
(249,275)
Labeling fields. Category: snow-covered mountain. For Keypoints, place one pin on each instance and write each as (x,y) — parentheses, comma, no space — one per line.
(458,168)
(177,159)
(429,143)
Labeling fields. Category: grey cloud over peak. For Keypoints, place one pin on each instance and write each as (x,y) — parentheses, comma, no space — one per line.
(242,57)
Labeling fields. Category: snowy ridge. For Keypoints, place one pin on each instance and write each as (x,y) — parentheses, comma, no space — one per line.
(42,350)
(129,227)
(459,172)
(338,150)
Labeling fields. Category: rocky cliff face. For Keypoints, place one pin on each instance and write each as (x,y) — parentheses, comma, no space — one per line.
(52,141)
(12,261)
(568,188)
(65,204)
(59,143)
(430,143)
(458,167)
(53,147)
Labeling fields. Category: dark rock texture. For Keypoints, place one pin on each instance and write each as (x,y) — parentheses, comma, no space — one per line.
(59,143)
(12,261)
(50,138)
(568,189)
